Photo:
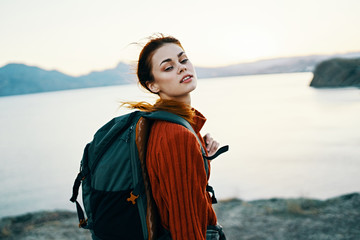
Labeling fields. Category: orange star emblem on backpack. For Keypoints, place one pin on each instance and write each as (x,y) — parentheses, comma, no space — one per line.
(132,198)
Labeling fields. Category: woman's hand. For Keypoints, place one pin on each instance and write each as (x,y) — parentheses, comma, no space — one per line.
(211,145)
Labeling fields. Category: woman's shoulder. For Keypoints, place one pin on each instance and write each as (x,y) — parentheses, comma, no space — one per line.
(168,130)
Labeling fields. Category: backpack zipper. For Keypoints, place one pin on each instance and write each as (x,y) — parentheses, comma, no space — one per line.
(129,133)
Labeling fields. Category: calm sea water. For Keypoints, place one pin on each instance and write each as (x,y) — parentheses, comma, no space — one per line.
(286,139)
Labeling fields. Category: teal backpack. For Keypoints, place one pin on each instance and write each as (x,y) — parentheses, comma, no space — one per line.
(116,190)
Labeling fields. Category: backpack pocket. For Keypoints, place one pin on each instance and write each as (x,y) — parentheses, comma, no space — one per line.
(113,171)
(114,216)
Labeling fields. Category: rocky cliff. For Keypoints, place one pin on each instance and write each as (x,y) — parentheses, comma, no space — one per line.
(337,73)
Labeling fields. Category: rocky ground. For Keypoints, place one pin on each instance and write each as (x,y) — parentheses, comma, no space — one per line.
(277,219)
(291,219)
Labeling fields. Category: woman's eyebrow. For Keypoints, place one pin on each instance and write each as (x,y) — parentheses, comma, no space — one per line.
(169,59)
(180,54)
(166,60)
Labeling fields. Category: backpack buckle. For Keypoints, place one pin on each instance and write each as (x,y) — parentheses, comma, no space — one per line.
(82,223)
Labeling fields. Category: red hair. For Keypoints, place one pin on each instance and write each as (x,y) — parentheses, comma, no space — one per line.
(181,109)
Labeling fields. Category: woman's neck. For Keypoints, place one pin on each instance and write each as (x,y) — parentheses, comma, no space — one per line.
(186,99)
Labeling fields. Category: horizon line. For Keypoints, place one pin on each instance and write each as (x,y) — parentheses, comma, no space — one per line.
(196,66)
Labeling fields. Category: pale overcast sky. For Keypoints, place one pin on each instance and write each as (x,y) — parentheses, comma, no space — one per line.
(78,36)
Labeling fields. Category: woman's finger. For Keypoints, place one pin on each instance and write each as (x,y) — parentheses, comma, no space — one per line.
(213,148)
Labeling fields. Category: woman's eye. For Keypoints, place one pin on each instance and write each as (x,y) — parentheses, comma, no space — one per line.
(168,68)
(184,60)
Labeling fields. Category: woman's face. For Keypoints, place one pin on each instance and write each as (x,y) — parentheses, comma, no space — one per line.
(174,74)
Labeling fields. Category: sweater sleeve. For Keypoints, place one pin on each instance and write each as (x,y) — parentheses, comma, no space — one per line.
(178,168)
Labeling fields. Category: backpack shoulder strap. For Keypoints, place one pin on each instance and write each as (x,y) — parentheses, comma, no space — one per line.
(171,117)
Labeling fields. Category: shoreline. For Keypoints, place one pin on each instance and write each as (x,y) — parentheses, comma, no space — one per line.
(276,218)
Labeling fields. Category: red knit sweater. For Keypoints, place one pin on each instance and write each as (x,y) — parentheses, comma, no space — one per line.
(178,179)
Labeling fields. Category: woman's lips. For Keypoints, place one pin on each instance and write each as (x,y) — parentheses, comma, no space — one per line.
(186,79)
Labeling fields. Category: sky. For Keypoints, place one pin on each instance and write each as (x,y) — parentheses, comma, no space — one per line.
(80,36)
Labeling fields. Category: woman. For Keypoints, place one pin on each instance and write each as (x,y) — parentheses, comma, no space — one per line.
(174,159)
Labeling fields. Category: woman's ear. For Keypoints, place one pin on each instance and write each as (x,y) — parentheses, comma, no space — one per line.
(153,87)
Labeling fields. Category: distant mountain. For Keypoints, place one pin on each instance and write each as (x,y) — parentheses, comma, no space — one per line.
(121,74)
(22,79)
(277,65)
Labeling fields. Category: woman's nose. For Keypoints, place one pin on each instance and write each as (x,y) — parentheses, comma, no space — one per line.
(182,68)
